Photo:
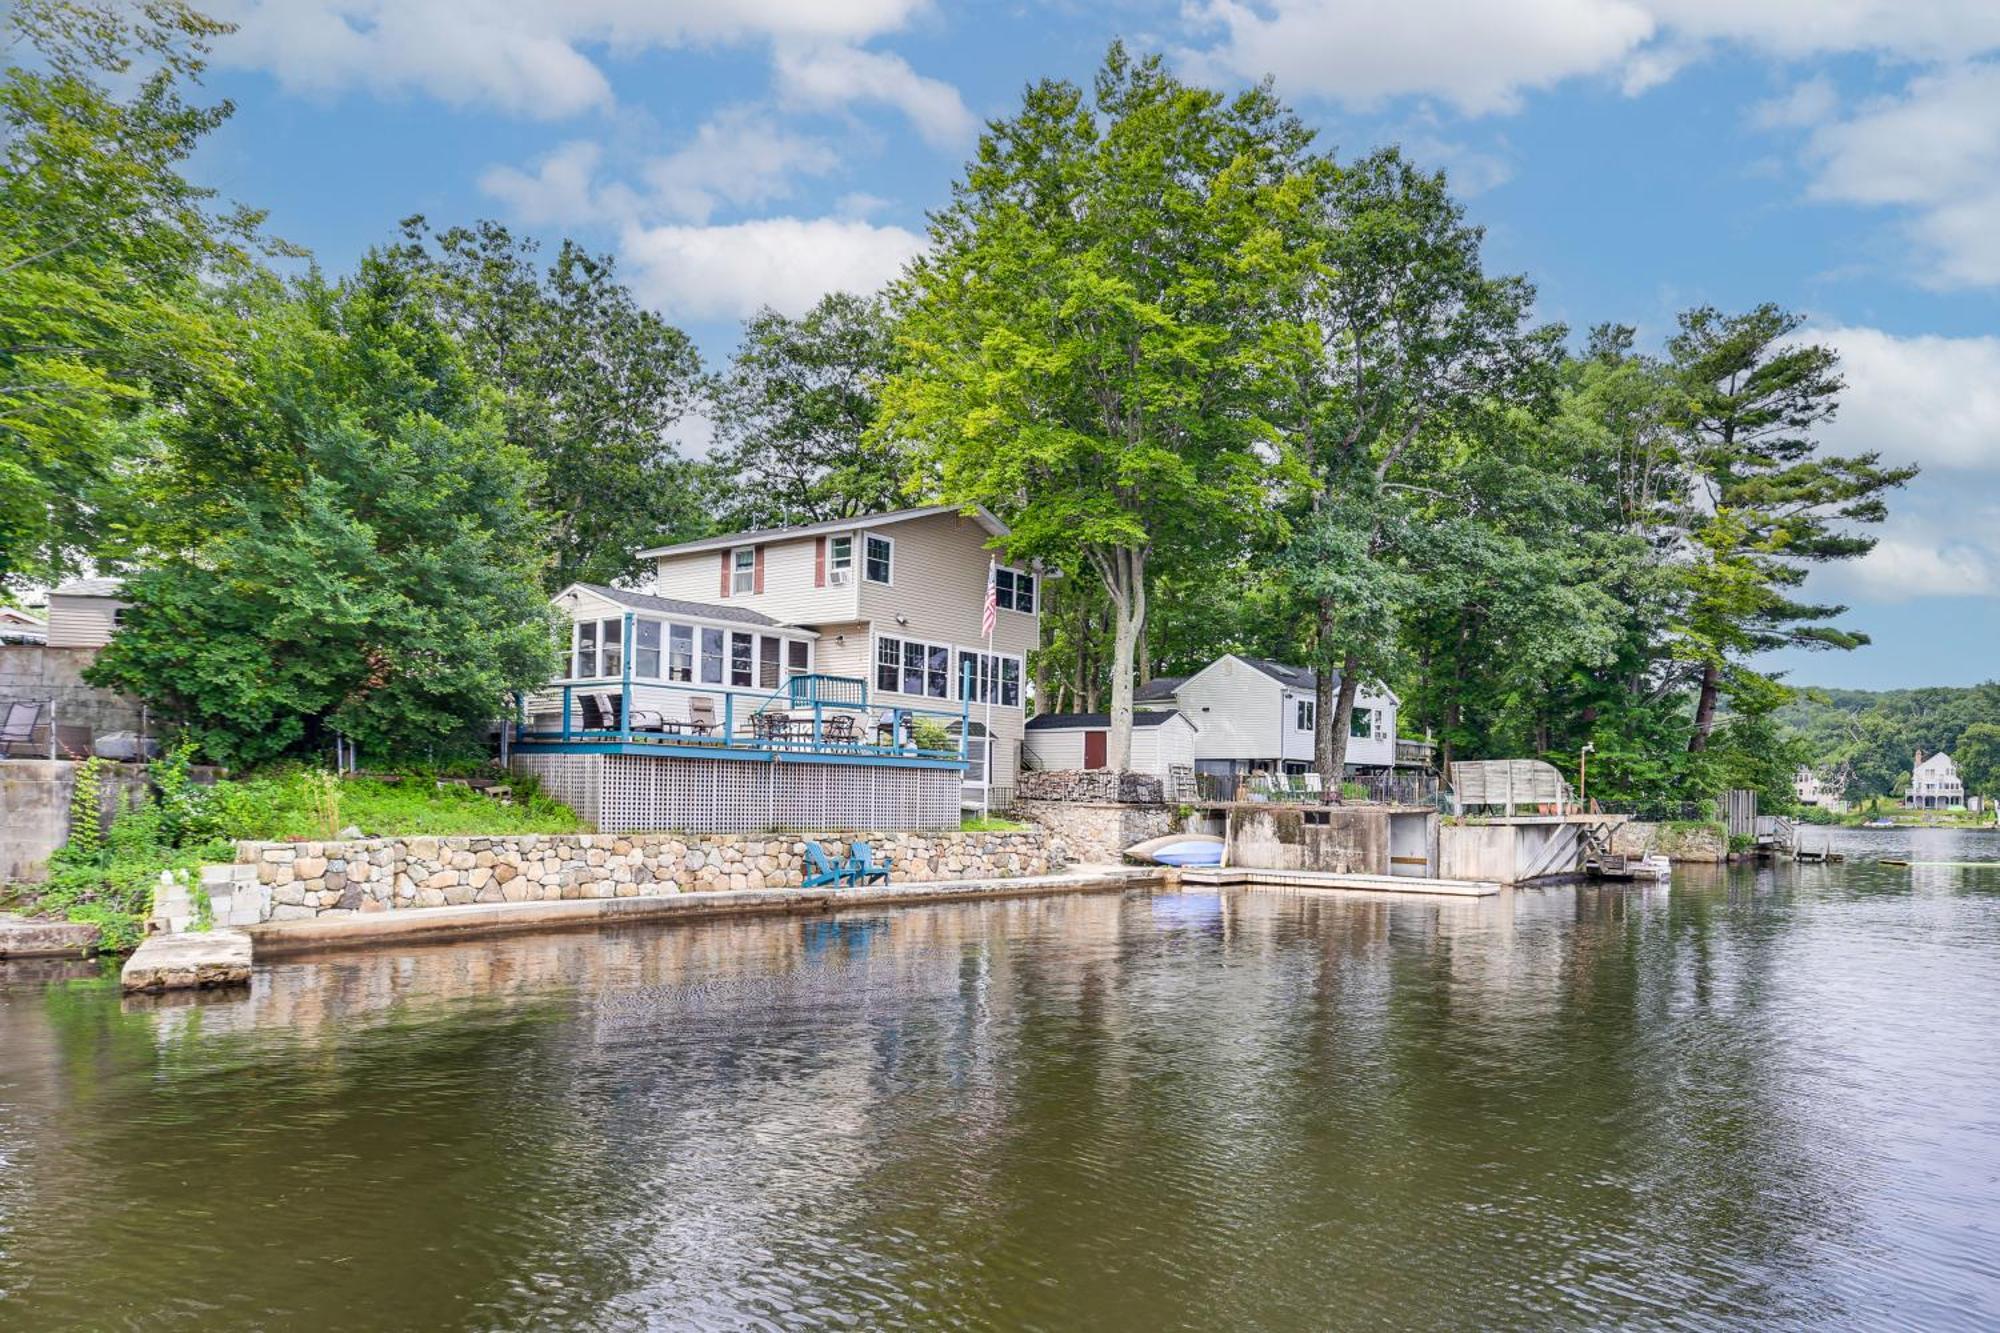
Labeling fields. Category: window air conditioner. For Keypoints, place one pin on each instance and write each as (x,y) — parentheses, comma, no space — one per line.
(839,578)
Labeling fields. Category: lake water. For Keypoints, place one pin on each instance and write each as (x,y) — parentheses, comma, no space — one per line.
(1769,1097)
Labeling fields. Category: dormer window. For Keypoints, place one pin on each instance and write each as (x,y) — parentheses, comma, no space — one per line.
(743,571)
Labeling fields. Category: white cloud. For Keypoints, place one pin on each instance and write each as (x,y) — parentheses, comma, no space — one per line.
(833,76)
(1935,150)
(1806,105)
(786,263)
(740,157)
(1484,55)
(1924,398)
(1901,568)
(520,56)
(561,191)
(1480,55)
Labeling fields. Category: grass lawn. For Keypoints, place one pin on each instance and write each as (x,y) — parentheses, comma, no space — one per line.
(990,824)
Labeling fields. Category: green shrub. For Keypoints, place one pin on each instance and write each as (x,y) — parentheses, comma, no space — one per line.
(931,734)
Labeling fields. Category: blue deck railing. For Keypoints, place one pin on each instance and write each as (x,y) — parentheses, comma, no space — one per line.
(810,715)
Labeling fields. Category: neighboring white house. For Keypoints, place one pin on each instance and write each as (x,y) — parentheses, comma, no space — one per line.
(83,613)
(893,599)
(1810,790)
(1161,740)
(19,626)
(1935,784)
(1254,715)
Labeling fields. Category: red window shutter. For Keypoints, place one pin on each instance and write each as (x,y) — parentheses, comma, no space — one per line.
(757,573)
(725,573)
(819,562)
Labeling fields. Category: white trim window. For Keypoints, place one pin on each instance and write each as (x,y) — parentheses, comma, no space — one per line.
(595,648)
(742,571)
(1014,590)
(1365,725)
(840,559)
(1307,714)
(878,558)
(910,666)
(992,678)
(711,656)
(646,649)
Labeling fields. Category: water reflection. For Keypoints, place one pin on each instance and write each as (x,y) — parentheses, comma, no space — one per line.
(1769,1094)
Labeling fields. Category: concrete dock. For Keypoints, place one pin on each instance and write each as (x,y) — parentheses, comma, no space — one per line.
(1327,879)
(198,960)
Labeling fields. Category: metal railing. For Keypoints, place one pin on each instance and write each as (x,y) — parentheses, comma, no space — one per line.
(839,721)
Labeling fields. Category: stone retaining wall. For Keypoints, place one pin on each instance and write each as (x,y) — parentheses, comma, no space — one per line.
(1702,842)
(294,881)
(1100,785)
(1096,832)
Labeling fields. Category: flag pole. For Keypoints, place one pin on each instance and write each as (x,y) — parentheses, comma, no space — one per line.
(991,616)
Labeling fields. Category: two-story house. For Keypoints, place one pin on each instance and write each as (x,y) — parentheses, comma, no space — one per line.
(1935,784)
(863,636)
(1253,715)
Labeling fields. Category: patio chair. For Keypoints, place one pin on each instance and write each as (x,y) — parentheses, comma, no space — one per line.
(822,870)
(1314,788)
(593,713)
(701,715)
(18,731)
(643,719)
(839,729)
(866,867)
(73,742)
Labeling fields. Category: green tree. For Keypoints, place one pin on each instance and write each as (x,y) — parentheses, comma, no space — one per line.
(794,415)
(103,243)
(344,543)
(593,387)
(1977,755)
(1089,341)
(1770,505)
(1411,342)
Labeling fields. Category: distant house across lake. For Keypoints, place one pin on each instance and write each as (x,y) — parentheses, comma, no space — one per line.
(1935,784)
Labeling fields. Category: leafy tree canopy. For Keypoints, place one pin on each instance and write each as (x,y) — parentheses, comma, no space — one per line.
(346,542)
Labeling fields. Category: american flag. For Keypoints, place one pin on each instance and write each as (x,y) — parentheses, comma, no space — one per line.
(992,611)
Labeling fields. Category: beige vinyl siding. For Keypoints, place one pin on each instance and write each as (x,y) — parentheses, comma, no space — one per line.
(939,585)
(789,592)
(842,650)
(82,622)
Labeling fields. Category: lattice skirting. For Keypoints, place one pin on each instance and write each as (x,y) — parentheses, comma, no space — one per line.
(638,793)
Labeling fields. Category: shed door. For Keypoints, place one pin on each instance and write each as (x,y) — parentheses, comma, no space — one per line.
(1096,744)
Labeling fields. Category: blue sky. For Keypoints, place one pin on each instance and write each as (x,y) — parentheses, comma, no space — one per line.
(1632,157)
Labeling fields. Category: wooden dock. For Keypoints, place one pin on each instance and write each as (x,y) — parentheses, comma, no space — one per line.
(1248,877)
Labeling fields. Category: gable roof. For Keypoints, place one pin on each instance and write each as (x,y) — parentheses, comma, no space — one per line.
(1158,688)
(978,513)
(1291,677)
(1065,721)
(674,606)
(90,588)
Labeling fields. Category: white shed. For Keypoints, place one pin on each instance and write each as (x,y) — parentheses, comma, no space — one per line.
(1160,741)
(83,613)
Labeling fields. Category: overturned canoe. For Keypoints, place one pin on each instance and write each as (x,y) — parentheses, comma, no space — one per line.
(1179,849)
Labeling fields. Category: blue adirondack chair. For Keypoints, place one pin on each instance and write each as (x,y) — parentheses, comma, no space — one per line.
(822,870)
(866,867)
